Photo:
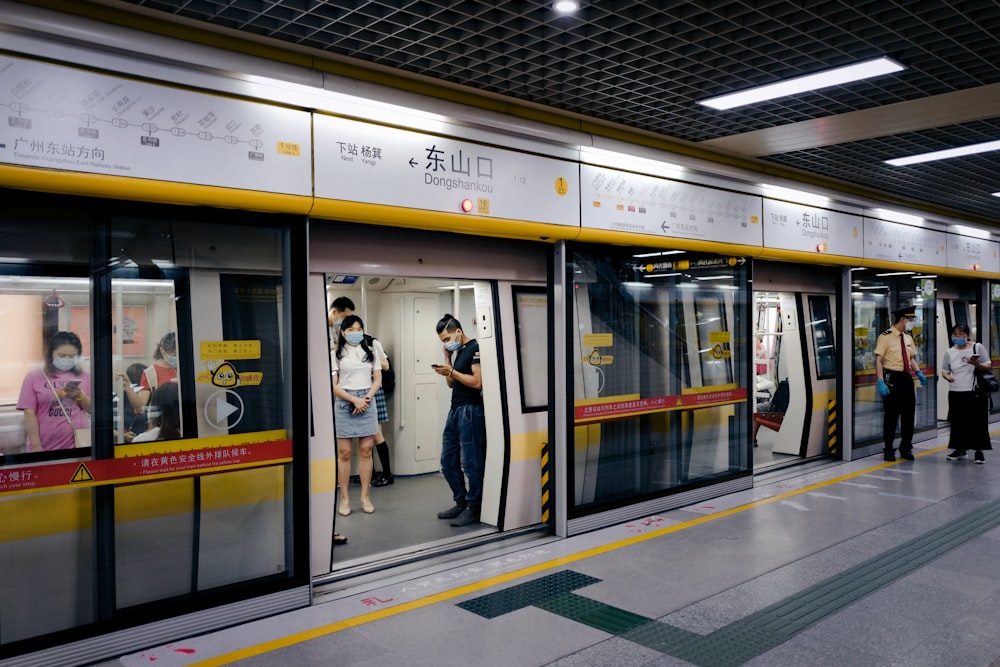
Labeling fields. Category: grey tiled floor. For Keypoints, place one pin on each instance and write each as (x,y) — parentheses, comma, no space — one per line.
(697,569)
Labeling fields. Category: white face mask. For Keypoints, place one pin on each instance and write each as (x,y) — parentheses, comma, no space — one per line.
(909,325)
(64,363)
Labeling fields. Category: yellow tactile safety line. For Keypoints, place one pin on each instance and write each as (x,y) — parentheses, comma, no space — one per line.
(331,628)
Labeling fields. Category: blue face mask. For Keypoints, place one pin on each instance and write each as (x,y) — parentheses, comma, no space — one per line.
(959,342)
(453,344)
(354,337)
(172,360)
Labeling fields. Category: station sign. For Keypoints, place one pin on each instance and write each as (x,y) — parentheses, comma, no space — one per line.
(60,117)
(789,226)
(367,163)
(621,201)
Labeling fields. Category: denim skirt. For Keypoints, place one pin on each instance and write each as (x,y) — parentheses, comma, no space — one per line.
(349,425)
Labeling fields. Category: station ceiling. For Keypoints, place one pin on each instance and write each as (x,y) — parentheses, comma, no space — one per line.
(646,64)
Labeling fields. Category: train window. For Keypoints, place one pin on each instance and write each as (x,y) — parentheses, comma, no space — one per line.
(821,327)
(45,374)
(658,402)
(531,317)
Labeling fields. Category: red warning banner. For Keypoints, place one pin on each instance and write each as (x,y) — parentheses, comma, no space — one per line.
(142,467)
(634,407)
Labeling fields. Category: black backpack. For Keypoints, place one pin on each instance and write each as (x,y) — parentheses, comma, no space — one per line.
(388,378)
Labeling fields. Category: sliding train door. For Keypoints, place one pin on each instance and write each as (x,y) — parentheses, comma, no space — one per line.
(658,378)
(795,363)
(496,291)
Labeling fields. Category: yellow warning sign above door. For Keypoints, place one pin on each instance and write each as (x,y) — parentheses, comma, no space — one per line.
(82,474)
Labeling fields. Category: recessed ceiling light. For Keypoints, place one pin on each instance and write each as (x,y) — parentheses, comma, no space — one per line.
(565,6)
(801,84)
(971,149)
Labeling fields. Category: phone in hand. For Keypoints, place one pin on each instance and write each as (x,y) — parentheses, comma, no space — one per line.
(435,366)
(73,384)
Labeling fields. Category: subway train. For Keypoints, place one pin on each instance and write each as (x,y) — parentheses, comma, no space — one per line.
(655,329)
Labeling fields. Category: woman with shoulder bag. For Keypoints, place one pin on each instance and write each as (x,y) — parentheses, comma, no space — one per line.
(967,406)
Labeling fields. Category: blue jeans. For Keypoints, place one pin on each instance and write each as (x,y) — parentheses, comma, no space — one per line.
(463,449)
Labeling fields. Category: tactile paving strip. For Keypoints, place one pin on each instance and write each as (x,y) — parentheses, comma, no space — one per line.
(527,594)
(755,634)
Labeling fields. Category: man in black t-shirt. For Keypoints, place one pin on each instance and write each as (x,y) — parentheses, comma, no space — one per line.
(463,446)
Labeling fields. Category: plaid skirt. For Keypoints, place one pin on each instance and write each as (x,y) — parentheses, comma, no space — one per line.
(383,411)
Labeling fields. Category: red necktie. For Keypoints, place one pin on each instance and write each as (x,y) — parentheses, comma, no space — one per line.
(906,360)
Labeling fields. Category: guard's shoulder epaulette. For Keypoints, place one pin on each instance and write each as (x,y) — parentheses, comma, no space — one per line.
(887,331)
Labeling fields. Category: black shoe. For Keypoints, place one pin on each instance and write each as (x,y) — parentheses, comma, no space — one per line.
(979,456)
(956,455)
(469,516)
(908,454)
(889,455)
(383,480)
(452,512)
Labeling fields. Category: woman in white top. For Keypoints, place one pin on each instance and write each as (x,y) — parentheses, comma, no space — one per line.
(357,376)
(967,408)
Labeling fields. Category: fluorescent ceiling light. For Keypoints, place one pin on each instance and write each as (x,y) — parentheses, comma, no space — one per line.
(876,287)
(802,84)
(996,194)
(971,149)
(660,254)
(894,273)
(566,6)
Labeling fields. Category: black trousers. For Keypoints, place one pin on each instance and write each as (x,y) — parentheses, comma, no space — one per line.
(900,406)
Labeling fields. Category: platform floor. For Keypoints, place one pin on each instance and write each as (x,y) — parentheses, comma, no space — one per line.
(862,563)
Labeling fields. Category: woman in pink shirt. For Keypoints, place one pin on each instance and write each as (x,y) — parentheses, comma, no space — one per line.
(55,398)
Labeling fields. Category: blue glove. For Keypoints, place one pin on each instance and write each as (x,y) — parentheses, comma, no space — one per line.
(922,378)
(883,388)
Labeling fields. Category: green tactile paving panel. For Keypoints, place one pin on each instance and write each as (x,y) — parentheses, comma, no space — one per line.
(593,613)
(755,634)
(527,594)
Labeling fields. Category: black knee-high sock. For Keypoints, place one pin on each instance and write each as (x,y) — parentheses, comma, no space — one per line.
(382,449)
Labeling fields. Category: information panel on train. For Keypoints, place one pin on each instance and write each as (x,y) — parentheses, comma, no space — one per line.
(361,162)
(64,118)
(626,202)
(810,229)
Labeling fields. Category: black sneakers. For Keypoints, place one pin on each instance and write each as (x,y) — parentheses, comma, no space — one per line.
(979,456)
(469,516)
(956,455)
(452,512)
(907,455)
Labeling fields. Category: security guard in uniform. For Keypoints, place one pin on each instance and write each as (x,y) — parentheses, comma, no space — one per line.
(895,359)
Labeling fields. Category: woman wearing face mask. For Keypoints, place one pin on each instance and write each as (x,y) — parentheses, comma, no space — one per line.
(357,375)
(163,370)
(55,398)
(967,409)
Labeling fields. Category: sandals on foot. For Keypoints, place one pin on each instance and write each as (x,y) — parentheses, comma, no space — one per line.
(339,539)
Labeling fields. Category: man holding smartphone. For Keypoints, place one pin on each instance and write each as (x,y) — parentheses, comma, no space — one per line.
(463,445)
(895,358)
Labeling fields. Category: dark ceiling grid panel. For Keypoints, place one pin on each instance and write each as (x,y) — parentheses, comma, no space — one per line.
(647,63)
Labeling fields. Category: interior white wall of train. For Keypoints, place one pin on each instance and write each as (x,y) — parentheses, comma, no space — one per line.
(180,490)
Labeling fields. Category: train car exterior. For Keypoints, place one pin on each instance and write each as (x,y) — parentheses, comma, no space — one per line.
(653,327)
